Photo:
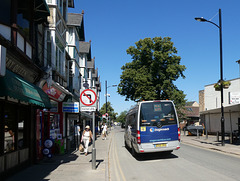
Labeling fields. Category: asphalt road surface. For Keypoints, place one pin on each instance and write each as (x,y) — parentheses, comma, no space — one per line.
(188,163)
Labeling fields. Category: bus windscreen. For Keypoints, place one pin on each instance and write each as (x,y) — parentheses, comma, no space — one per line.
(157,113)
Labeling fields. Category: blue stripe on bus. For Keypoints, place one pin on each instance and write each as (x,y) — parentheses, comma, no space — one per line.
(150,134)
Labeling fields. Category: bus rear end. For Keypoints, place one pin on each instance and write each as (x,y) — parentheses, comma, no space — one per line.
(158,127)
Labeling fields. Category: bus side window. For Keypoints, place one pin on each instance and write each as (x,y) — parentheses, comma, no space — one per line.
(134,121)
(127,123)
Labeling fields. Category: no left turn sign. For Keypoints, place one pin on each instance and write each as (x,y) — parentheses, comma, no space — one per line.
(88,97)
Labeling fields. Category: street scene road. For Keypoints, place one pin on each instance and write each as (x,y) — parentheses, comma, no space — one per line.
(197,159)
(188,163)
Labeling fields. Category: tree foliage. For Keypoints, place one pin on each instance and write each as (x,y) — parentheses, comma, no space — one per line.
(152,72)
(122,117)
(110,110)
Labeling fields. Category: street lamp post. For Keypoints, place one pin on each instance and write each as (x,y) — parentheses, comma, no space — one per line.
(221,69)
(106,94)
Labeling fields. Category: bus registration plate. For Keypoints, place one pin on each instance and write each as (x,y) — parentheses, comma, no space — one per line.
(160,145)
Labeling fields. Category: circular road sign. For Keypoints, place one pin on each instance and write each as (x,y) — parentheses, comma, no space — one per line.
(88,97)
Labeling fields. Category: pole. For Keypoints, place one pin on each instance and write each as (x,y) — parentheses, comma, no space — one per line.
(93,147)
(106,95)
(221,75)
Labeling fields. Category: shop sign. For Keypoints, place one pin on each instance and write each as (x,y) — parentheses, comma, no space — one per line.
(53,92)
(234,97)
(71,107)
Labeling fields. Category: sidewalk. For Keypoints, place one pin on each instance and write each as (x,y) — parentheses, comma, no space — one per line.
(212,144)
(72,166)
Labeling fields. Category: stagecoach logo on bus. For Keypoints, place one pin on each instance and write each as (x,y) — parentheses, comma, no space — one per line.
(158,129)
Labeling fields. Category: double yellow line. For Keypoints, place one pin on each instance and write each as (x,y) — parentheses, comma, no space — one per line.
(115,160)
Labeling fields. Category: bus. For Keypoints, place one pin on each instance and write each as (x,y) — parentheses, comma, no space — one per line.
(152,126)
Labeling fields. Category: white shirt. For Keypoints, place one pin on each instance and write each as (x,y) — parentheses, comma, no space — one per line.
(86,135)
(77,130)
(104,127)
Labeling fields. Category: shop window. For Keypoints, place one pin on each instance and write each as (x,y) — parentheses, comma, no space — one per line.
(20,134)
(9,128)
(22,124)
(54,125)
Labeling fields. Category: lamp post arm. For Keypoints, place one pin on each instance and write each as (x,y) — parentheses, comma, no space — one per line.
(219,26)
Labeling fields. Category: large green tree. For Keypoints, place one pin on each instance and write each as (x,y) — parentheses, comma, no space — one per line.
(151,74)
(110,110)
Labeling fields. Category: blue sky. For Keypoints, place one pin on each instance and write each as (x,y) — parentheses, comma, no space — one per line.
(113,26)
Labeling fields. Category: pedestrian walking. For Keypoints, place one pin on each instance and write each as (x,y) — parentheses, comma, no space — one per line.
(100,127)
(77,134)
(86,138)
(104,131)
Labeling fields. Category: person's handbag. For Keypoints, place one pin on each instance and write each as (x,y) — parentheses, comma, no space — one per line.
(81,148)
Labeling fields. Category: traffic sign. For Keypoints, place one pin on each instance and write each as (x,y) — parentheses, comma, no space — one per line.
(88,98)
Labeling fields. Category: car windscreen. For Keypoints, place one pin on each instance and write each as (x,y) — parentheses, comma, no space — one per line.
(157,114)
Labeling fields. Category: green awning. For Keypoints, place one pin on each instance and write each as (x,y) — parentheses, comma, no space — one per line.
(16,87)
(41,11)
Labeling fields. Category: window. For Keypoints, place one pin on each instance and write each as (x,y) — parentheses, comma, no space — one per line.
(5,12)
(10,116)
(70,36)
(22,124)
(49,48)
(155,113)
(60,6)
(23,17)
(59,60)
(54,125)
(59,56)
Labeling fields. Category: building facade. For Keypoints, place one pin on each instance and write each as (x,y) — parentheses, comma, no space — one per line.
(21,36)
(211,109)
(41,74)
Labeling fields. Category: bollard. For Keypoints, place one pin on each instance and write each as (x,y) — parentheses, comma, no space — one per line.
(94,159)
(231,137)
(217,136)
(206,134)
(197,133)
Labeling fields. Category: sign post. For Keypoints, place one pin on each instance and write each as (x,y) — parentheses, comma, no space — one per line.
(88,99)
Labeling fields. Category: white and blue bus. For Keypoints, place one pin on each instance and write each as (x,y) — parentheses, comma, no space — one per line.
(152,126)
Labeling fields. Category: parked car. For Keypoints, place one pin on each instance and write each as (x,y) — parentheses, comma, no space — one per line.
(192,129)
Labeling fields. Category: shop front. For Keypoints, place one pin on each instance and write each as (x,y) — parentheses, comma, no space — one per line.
(50,124)
(48,135)
(19,101)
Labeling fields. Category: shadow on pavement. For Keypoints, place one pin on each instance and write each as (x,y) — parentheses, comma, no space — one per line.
(98,162)
(41,170)
(156,156)
(153,156)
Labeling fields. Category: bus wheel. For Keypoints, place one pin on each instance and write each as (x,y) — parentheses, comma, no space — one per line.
(134,153)
(126,146)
